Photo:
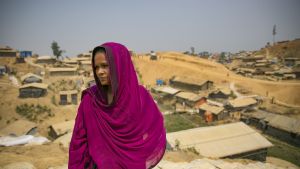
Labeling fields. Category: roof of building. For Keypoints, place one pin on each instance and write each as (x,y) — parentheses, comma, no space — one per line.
(86,62)
(188,80)
(2,47)
(166,89)
(19,127)
(63,127)
(220,141)
(224,90)
(70,61)
(284,70)
(290,75)
(213,109)
(261,115)
(87,54)
(66,92)
(30,75)
(285,123)
(261,64)
(292,58)
(265,69)
(37,85)
(246,70)
(262,61)
(296,70)
(188,96)
(62,69)
(242,102)
(45,58)
(215,103)
(82,58)
(258,57)
(7,49)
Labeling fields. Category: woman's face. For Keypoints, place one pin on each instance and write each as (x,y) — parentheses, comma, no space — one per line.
(102,68)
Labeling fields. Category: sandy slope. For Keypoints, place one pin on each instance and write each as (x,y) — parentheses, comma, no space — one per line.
(174,63)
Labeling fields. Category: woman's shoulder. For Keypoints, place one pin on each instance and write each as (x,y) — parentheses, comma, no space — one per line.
(145,94)
(143,89)
(87,94)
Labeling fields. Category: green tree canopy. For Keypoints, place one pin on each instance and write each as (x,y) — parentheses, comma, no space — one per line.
(56,50)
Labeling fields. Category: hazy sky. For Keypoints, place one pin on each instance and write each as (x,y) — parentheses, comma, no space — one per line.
(160,25)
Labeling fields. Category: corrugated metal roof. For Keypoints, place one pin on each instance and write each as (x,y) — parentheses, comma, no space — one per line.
(19,127)
(285,123)
(242,102)
(86,62)
(30,75)
(246,70)
(188,80)
(213,109)
(166,89)
(37,85)
(220,141)
(70,61)
(82,58)
(224,90)
(211,102)
(63,127)
(188,96)
(261,115)
(45,57)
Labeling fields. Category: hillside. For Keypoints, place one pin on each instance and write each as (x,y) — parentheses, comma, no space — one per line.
(175,63)
(282,49)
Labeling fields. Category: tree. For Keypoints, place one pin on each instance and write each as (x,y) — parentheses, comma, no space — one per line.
(222,57)
(56,50)
(192,50)
(274,33)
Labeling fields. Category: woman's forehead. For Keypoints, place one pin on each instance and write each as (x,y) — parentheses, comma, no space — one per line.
(100,57)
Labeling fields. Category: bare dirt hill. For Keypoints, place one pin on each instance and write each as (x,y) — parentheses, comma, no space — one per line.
(174,63)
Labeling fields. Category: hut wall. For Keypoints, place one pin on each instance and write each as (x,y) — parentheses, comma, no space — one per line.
(8,54)
(74,98)
(257,155)
(32,92)
(52,61)
(284,135)
(63,73)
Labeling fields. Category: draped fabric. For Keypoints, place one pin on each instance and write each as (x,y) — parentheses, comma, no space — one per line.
(128,133)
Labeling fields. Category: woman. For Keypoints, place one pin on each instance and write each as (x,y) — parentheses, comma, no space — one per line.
(118,125)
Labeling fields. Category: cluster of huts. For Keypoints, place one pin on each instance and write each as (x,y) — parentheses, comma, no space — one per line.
(282,127)
(68,66)
(33,86)
(270,69)
(212,103)
(8,52)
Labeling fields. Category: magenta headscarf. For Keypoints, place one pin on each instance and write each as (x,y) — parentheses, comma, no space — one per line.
(127,134)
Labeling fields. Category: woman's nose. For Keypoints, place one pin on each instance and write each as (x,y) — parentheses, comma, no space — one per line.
(100,71)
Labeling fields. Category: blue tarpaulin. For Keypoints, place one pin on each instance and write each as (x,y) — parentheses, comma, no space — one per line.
(159,82)
(24,54)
